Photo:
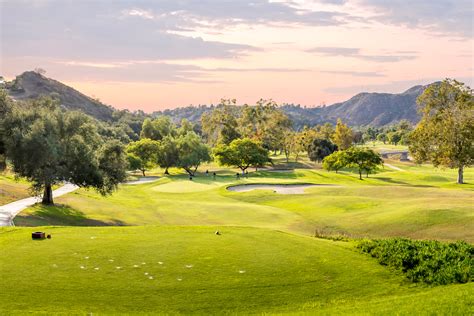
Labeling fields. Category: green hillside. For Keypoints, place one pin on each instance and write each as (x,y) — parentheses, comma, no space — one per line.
(190,270)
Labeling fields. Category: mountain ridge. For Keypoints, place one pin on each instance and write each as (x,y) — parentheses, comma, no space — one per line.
(363,109)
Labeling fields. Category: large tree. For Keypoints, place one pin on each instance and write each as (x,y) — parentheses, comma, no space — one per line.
(168,153)
(364,159)
(241,153)
(343,135)
(49,146)
(335,161)
(220,126)
(445,134)
(191,152)
(266,123)
(5,109)
(320,148)
(142,154)
(158,128)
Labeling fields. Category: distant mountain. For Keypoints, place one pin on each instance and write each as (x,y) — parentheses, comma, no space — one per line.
(376,109)
(364,109)
(30,85)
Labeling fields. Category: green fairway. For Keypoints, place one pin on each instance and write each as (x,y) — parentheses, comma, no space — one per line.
(417,202)
(264,261)
(192,270)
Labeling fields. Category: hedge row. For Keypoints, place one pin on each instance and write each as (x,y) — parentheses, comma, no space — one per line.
(432,262)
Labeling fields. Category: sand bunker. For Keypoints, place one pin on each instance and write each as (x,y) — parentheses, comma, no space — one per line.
(277,188)
(143,180)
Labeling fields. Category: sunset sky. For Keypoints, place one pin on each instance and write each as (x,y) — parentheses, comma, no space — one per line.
(153,55)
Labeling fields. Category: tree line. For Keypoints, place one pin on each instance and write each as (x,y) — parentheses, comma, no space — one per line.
(48,145)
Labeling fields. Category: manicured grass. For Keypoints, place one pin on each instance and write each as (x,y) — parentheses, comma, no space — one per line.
(243,270)
(418,202)
(12,189)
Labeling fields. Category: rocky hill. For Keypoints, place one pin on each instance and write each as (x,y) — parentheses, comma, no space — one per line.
(30,85)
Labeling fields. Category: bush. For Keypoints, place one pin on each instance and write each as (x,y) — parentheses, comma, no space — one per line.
(432,262)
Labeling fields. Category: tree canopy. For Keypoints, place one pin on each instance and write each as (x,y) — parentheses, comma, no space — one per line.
(335,161)
(343,136)
(320,148)
(241,153)
(158,128)
(142,154)
(445,134)
(364,159)
(168,152)
(191,152)
(48,146)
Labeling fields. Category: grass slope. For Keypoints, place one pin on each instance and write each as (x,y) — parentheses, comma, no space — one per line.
(418,202)
(245,270)
(11,189)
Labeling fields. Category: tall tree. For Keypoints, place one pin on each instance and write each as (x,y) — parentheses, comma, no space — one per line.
(191,152)
(320,148)
(185,127)
(158,128)
(5,109)
(335,161)
(220,126)
(168,153)
(241,153)
(49,146)
(325,131)
(445,134)
(343,136)
(143,153)
(364,159)
(290,144)
(266,123)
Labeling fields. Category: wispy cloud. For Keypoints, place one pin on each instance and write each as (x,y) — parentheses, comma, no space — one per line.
(353,73)
(356,53)
(448,17)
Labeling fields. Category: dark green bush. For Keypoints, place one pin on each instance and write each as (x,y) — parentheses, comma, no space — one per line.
(432,262)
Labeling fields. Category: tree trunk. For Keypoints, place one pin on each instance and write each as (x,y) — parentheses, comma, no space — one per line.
(166,171)
(189,171)
(360,175)
(143,172)
(48,195)
(461,175)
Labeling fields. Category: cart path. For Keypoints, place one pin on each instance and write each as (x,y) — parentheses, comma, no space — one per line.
(9,211)
(393,167)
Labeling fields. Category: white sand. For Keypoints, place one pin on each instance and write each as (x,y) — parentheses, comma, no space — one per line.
(143,180)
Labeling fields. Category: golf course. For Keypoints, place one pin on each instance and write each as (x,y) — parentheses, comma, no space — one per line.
(195,247)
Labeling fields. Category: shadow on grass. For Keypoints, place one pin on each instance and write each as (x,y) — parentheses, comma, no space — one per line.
(390,180)
(60,215)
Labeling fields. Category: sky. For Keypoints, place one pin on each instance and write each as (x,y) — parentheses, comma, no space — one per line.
(154,55)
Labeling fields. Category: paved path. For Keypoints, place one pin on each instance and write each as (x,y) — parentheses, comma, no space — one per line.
(9,211)
(393,167)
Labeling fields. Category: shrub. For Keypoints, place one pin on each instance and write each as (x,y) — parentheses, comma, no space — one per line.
(431,262)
